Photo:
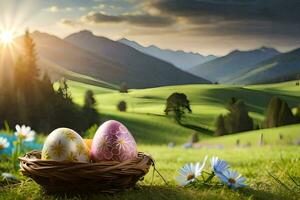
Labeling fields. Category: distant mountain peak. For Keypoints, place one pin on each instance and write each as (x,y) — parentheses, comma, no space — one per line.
(125,39)
(225,68)
(268,49)
(181,59)
(262,49)
(39,33)
(43,35)
(86,32)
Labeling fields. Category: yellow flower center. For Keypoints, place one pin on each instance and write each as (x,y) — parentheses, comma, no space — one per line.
(190,177)
(22,135)
(122,141)
(232,181)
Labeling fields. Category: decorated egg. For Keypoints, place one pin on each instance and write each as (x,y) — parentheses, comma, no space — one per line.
(113,141)
(65,145)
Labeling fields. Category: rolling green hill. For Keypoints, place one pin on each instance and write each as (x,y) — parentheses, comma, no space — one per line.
(146,120)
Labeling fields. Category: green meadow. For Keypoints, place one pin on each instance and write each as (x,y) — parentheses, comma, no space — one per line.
(153,131)
(145,107)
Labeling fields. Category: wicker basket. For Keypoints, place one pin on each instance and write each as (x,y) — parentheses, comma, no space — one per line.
(107,177)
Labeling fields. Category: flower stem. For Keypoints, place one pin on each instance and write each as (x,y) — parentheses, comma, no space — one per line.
(16,153)
(211,176)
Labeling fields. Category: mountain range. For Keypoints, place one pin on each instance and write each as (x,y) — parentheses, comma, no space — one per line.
(282,67)
(100,61)
(107,60)
(181,59)
(225,69)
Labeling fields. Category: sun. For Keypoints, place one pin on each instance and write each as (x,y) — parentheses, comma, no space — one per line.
(6,37)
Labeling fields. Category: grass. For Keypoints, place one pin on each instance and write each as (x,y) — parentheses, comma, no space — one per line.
(146,120)
(290,135)
(153,131)
(253,163)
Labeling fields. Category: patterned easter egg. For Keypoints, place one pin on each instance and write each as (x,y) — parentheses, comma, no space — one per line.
(113,141)
(65,145)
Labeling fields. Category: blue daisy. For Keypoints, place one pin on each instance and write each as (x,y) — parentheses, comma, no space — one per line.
(232,179)
(217,165)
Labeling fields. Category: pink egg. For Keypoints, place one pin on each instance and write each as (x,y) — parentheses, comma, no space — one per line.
(113,141)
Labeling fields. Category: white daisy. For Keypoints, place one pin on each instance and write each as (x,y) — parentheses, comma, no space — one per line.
(3,143)
(232,179)
(217,165)
(25,133)
(189,172)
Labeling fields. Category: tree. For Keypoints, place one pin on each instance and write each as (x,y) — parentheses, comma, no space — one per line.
(285,116)
(177,103)
(278,113)
(220,126)
(122,106)
(89,110)
(194,138)
(26,82)
(89,99)
(231,102)
(30,56)
(297,116)
(32,100)
(123,88)
(237,120)
(63,89)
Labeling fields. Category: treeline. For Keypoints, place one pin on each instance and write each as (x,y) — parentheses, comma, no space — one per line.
(29,98)
(238,120)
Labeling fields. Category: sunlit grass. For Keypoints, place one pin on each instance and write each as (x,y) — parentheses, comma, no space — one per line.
(253,163)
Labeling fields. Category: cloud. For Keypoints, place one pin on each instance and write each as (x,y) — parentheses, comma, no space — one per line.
(248,18)
(69,23)
(52,9)
(82,8)
(233,10)
(55,9)
(133,19)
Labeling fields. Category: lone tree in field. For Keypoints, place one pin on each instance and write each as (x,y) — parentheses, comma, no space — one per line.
(122,106)
(177,103)
(278,114)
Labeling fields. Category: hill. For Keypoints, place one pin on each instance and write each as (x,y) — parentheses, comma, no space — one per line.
(277,69)
(181,59)
(140,70)
(146,120)
(225,68)
(290,134)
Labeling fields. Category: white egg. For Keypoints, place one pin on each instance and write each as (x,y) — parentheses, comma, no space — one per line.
(65,145)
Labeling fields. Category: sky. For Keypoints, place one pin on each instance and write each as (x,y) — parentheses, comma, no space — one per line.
(204,26)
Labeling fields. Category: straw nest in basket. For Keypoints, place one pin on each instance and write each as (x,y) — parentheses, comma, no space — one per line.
(107,176)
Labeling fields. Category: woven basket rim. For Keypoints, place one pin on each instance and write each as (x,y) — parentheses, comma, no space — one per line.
(31,156)
(105,176)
